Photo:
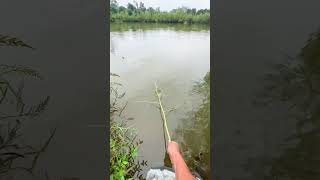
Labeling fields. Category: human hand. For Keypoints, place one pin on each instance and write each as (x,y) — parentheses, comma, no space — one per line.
(173,150)
(181,169)
(173,147)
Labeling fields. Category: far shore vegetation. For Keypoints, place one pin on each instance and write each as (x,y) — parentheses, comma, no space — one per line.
(137,12)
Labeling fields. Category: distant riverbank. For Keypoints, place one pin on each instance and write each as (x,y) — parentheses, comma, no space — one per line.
(139,13)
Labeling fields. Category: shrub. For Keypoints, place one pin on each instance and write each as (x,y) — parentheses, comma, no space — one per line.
(123,144)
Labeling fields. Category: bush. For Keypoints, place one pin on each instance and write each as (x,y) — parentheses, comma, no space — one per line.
(123,152)
(123,144)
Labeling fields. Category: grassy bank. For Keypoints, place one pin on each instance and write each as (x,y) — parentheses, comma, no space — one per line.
(137,12)
(123,143)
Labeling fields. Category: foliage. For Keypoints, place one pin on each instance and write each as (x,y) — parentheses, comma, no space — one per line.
(15,69)
(123,144)
(121,27)
(139,13)
(6,40)
(123,152)
(13,115)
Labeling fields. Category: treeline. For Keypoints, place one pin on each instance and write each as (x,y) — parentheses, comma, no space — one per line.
(137,12)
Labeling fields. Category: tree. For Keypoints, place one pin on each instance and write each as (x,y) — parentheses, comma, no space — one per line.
(203,11)
(189,11)
(131,9)
(141,7)
(151,10)
(113,6)
(136,4)
(122,9)
(194,11)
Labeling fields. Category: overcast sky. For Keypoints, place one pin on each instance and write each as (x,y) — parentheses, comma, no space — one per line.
(170,4)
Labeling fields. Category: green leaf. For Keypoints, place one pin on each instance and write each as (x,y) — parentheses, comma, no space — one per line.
(134,152)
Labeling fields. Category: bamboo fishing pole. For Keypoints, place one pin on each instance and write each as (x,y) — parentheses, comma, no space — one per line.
(163,114)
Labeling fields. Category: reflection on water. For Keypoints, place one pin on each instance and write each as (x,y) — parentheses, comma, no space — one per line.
(296,84)
(120,27)
(193,133)
(176,56)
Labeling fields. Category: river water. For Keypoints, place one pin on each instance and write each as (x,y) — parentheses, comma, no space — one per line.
(174,56)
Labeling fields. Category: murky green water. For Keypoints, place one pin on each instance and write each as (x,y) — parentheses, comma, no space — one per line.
(176,57)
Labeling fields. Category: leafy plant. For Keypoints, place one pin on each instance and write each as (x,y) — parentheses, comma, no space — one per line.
(124,145)
(123,152)
(22,70)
